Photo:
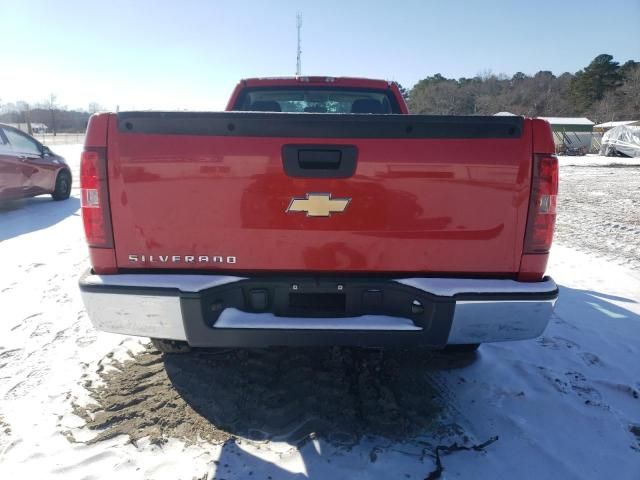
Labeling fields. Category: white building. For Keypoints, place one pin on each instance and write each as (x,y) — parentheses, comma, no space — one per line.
(35,127)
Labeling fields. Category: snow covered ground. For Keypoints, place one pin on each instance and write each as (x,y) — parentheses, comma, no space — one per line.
(563,406)
(592,160)
(600,211)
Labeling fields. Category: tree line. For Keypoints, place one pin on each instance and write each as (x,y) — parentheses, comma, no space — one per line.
(58,118)
(603,91)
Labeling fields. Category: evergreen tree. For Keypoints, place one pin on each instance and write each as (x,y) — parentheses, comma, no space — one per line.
(403,91)
(603,90)
(591,84)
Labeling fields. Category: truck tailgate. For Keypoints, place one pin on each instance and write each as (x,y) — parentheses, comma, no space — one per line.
(209,191)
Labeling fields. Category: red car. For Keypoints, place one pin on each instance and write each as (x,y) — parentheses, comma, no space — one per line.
(317,211)
(28,168)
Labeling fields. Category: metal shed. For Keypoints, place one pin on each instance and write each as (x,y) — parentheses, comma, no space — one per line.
(571,134)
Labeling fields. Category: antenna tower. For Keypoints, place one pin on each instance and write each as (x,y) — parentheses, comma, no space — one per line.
(299,56)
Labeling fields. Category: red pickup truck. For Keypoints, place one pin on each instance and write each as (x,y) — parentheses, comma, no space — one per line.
(317,211)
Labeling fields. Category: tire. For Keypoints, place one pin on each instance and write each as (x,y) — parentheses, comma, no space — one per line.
(460,349)
(170,346)
(62,189)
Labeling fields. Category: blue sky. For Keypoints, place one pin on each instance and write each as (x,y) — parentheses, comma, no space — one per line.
(190,53)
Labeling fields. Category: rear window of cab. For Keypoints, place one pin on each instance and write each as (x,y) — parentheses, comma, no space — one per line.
(317,100)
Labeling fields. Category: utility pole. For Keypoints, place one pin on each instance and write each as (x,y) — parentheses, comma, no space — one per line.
(27,114)
(299,57)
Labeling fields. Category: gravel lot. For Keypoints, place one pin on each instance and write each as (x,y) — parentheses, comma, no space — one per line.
(599,211)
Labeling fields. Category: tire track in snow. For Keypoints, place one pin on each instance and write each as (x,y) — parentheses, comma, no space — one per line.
(283,394)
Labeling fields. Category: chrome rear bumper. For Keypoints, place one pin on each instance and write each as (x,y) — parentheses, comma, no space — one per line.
(454,311)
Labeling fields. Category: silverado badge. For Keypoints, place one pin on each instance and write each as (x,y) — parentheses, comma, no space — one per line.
(318,205)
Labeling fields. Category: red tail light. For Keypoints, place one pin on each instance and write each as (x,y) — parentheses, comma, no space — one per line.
(94,200)
(542,209)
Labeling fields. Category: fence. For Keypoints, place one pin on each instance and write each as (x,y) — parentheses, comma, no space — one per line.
(579,143)
(60,138)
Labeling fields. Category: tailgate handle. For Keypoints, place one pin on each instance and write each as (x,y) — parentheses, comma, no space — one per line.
(319,161)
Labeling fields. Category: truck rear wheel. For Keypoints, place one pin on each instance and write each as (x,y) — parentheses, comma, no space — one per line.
(170,346)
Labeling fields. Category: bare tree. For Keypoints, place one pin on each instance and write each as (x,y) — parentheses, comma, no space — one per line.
(630,94)
(605,109)
(25,115)
(95,107)
(52,106)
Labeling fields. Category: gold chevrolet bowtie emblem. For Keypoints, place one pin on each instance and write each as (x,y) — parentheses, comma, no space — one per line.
(318,204)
